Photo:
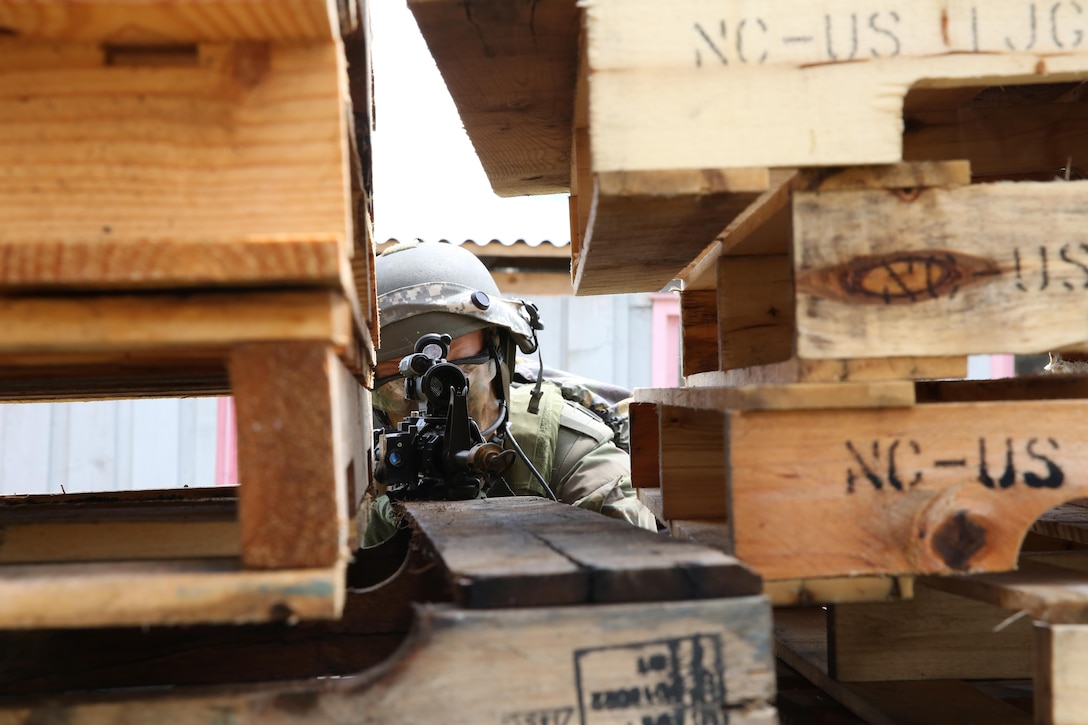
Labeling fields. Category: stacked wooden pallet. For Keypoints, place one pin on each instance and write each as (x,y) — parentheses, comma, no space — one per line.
(829,186)
(184,212)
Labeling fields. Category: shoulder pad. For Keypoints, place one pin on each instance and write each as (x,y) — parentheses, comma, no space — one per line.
(575,417)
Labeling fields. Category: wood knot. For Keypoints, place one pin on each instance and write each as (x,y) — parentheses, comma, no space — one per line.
(958,539)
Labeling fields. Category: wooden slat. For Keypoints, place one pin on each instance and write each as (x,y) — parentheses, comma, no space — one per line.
(289,399)
(533,552)
(835,590)
(802,643)
(1022,387)
(933,636)
(881,274)
(645,445)
(798,396)
(1069,523)
(713,658)
(510,70)
(644,228)
(926,489)
(126,323)
(139,180)
(22,543)
(1061,657)
(169,592)
(755,310)
(1048,593)
(693,461)
(796,370)
(161,23)
(699,331)
(843,76)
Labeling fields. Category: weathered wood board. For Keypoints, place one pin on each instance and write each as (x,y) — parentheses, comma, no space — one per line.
(927,489)
(1060,656)
(154,165)
(526,551)
(708,661)
(990,268)
(667,78)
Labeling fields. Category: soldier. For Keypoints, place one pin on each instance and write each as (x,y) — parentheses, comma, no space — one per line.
(439,287)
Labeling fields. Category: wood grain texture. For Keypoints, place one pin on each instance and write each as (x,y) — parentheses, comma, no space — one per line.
(796,370)
(1061,656)
(756,322)
(578,654)
(802,643)
(165,592)
(533,552)
(880,274)
(645,228)
(291,459)
(1048,593)
(699,331)
(510,69)
(161,22)
(645,445)
(928,489)
(693,463)
(799,396)
(165,322)
(843,79)
(226,165)
(837,590)
(934,636)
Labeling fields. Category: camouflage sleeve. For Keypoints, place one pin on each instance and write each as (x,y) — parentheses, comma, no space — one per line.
(592,473)
(381,522)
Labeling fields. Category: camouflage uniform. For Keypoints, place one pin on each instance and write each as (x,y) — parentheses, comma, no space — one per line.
(571,447)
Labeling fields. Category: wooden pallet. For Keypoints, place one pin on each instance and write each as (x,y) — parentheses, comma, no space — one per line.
(582,617)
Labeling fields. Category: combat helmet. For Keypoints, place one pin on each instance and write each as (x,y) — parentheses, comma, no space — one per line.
(439,287)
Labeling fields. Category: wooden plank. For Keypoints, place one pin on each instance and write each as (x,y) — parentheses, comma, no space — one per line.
(834,590)
(928,489)
(755,310)
(843,74)
(510,70)
(141,24)
(802,644)
(580,655)
(651,499)
(24,543)
(798,396)
(883,274)
(1068,523)
(699,331)
(183,375)
(645,445)
(1048,593)
(934,636)
(1023,141)
(166,592)
(138,182)
(534,552)
(1061,656)
(668,217)
(796,370)
(293,506)
(1022,387)
(693,461)
(124,323)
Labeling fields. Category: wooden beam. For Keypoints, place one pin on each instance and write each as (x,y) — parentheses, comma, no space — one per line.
(1048,593)
(693,460)
(289,400)
(843,79)
(882,274)
(933,636)
(796,370)
(645,445)
(531,552)
(836,590)
(1061,658)
(755,310)
(645,227)
(139,181)
(170,322)
(510,70)
(699,331)
(144,24)
(799,396)
(926,489)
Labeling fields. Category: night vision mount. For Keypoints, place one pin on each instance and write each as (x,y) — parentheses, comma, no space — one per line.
(437,452)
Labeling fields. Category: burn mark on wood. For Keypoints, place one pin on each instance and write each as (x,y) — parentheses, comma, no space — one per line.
(958,539)
(897,278)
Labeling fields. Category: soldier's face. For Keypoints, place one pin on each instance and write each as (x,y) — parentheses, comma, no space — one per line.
(482,404)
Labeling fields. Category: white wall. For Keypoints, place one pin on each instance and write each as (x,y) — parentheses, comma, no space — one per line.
(107,445)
